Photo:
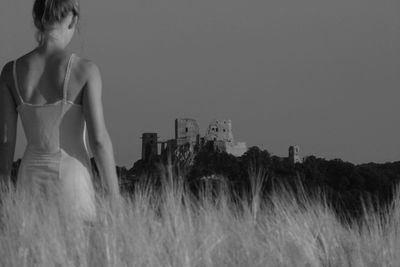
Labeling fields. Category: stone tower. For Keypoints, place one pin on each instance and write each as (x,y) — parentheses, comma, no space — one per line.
(220,130)
(294,154)
(186,131)
(149,146)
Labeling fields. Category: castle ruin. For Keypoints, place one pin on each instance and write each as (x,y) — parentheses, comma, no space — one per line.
(294,154)
(188,141)
(186,132)
(220,133)
(187,137)
(149,146)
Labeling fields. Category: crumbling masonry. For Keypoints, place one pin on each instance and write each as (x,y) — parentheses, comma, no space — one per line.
(188,141)
(187,137)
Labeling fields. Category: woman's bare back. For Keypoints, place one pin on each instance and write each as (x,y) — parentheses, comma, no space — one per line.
(41,77)
(56,163)
(57,95)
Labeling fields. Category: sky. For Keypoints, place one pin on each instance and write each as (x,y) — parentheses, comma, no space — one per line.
(321,74)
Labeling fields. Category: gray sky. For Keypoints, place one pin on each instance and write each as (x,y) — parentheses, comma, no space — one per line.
(318,73)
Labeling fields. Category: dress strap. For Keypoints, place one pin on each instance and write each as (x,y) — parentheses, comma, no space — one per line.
(16,81)
(66,78)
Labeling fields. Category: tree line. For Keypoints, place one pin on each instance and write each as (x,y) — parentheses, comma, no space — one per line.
(345,186)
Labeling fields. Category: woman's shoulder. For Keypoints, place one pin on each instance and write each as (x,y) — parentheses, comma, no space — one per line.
(7,72)
(6,75)
(88,74)
(7,68)
(86,67)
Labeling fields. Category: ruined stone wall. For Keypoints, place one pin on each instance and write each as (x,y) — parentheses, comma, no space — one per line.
(186,131)
(220,130)
(149,146)
(220,133)
(237,149)
(187,139)
(294,154)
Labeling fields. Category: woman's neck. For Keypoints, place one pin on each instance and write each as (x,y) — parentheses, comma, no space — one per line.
(52,42)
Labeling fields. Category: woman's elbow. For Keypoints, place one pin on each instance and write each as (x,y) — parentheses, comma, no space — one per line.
(101,142)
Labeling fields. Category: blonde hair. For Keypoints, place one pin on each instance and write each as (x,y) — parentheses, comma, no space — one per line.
(48,12)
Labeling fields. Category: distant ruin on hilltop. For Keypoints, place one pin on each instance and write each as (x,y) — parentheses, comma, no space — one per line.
(294,154)
(188,139)
(220,132)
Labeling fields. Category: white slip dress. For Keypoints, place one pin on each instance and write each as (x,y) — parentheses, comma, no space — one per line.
(56,162)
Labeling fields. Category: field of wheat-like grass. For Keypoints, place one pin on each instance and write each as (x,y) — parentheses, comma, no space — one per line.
(174,228)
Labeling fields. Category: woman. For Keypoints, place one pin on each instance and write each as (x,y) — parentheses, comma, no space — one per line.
(57,94)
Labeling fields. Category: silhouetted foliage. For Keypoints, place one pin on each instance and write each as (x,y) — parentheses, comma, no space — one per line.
(345,185)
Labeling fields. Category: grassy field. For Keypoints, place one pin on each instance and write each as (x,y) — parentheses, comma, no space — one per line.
(172,228)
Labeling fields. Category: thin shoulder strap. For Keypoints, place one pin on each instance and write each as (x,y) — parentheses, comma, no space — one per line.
(16,81)
(66,78)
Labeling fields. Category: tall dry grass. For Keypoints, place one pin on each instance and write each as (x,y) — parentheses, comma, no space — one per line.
(171,227)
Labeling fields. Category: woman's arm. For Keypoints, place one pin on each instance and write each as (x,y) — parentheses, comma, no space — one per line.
(8,126)
(99,140)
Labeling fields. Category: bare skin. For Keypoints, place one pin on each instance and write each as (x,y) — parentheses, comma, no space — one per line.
(44,68)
